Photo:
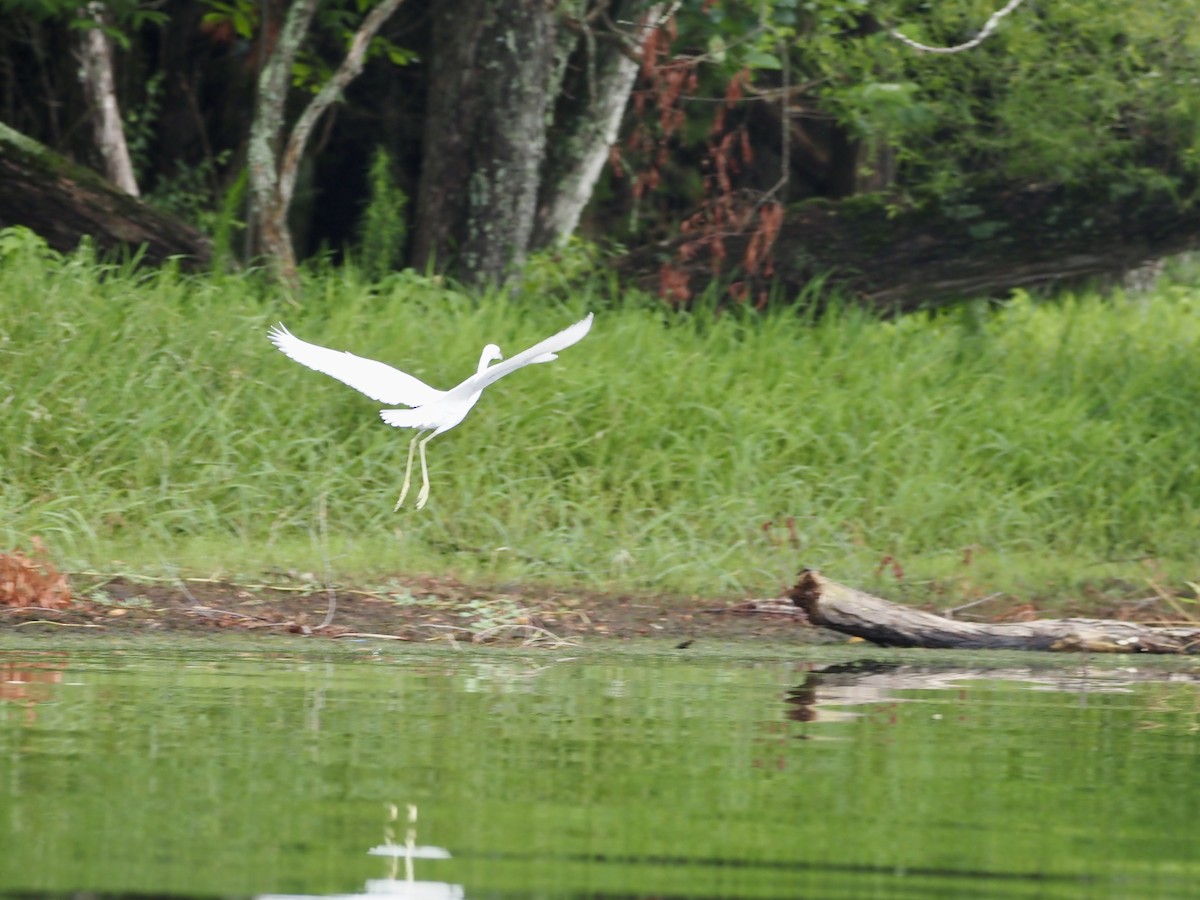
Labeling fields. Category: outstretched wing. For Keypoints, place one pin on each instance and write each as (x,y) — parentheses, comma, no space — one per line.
(377,380)
(543,351)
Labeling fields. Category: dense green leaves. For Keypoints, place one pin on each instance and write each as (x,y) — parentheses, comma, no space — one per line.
(1083,93)
(1070,92)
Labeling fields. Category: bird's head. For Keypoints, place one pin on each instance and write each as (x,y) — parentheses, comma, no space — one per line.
(491,353)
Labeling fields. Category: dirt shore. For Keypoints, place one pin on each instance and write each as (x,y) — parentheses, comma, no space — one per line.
(426,609)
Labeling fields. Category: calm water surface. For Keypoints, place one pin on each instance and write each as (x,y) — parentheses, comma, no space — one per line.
(202,773)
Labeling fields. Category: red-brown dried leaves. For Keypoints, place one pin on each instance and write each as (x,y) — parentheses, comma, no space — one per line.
(26,581)
(728,216)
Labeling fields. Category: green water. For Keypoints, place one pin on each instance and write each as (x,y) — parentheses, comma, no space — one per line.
(205,773)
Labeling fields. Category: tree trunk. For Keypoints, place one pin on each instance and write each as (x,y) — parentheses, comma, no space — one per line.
(841,608)
(600,77)
(1023,237)
(273,172)
(64,202)
(96,73)
(266,135)
(485,135)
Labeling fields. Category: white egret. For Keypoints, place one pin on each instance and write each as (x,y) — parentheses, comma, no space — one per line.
(432,411)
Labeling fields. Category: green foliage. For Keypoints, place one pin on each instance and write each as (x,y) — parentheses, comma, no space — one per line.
(241,15)
(120,18)
(1079,92)
(148,419)
(140,123)
(568,268)
(191,194)
(312,69)
(1066,92)
(226,225)
(21,244)
(383,228)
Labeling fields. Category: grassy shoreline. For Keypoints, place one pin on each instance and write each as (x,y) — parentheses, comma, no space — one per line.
(1034,449)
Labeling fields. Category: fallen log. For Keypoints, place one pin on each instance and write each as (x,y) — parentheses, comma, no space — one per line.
(64,202)
(849,611)
(898,259)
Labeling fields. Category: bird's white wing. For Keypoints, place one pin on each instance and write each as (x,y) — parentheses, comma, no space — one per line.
(377,380)
(543,351)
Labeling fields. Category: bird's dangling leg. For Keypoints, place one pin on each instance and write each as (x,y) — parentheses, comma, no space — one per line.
(424,494)
(407,472)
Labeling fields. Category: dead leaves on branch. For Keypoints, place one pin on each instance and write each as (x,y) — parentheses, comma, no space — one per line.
(32,581)
(726,212)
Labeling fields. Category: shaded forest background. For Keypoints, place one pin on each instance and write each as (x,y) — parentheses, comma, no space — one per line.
(739,141)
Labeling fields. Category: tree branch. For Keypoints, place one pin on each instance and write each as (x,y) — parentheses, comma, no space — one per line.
(96,73)
(332,89)
(270,101)
(988,27)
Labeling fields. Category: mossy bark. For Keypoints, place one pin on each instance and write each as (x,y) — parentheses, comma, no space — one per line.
(599,78)
(273,170)
(64,202)
(266,134)
(485,135)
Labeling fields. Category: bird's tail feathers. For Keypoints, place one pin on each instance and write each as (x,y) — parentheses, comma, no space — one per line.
(406,418)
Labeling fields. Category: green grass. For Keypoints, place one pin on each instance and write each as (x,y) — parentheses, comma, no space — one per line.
(147,424)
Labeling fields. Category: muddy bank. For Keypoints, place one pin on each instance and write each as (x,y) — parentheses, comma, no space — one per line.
(427,609)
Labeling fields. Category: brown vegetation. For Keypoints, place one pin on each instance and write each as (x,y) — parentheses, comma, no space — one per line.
(32,581)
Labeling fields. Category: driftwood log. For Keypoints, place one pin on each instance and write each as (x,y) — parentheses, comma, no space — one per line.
(840,608)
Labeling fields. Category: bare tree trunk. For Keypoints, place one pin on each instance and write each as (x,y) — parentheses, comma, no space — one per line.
(273,174)
(600,78)
(95,56)
(485,135)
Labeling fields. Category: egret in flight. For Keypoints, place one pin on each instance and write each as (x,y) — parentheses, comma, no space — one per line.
(431,411)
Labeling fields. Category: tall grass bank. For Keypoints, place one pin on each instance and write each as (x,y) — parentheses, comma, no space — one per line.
(148,425)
